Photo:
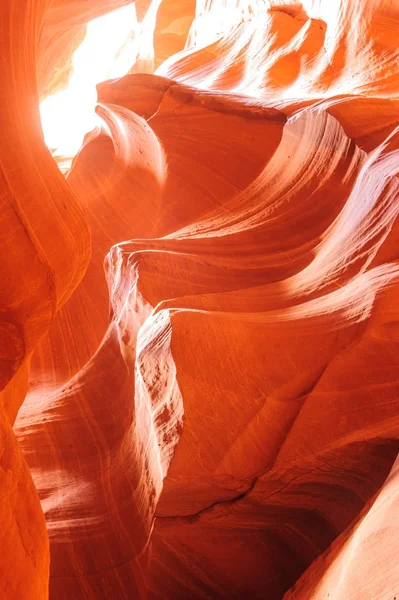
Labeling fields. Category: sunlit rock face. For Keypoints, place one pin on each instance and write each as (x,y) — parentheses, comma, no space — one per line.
(199,292)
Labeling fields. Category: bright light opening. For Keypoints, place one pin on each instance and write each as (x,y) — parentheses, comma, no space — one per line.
(112,45)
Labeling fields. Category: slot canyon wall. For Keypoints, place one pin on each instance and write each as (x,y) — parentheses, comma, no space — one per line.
(199,316)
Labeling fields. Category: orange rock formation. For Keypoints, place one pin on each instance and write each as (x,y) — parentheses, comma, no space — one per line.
(199,317)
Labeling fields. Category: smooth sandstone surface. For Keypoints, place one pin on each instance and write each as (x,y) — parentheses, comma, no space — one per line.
(199,318)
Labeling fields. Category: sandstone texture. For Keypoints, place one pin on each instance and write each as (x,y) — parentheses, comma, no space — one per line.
(199,300)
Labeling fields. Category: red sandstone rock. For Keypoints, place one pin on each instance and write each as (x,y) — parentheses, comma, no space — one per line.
(198,323)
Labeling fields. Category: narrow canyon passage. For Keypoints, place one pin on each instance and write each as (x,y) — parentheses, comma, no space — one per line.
(199,299)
